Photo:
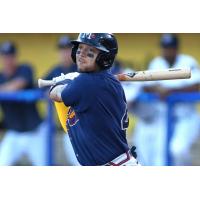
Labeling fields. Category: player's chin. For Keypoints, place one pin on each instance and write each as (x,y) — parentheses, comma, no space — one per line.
(83,68)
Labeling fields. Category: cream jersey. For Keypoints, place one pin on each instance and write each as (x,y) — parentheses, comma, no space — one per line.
(182,61)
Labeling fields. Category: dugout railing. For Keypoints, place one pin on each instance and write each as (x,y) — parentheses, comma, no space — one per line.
(171,101)
(33,96)
(38,95)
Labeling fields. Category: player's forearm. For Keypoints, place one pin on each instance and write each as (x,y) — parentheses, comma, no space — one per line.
(55,93)
(152,89)
(192,88)
(14,85)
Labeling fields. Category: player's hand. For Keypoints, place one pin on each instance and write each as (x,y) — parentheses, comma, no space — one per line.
(62,77)
(163,92)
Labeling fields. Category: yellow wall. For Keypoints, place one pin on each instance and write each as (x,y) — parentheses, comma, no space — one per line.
(40,49)
(139,48)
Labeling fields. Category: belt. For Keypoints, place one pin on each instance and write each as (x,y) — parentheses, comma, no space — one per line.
(120,160)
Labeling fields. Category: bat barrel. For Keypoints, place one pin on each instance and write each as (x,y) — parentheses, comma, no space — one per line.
(153,75)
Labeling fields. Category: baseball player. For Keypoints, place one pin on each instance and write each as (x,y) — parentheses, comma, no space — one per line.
(26,134)
(97,119)
(65,66)
(151,126)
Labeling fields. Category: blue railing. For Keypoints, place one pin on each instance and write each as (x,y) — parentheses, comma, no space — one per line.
(36,95)
(32,96)
(170,101)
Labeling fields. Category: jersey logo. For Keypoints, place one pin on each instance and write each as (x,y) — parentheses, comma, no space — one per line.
(71,117)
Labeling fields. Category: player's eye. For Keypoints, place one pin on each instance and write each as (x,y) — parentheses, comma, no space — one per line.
(78,51)
(90,55)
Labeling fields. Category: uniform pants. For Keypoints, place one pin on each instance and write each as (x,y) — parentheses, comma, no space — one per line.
(31,143)
(125,159)
(186,131)
(150,140)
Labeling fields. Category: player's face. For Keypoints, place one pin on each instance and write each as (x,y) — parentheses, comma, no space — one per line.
(85,58)
(65,56)
(9,63)
(169,54)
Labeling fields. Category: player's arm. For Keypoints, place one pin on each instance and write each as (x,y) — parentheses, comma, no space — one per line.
(158,89)
(22,80)
(74,93)
(14,85)
(163,92)
(56,91)
(191,88)
(61,82)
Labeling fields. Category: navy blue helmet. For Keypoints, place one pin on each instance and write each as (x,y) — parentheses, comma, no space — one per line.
(8,48)
(169,40)
(105,42)
(64,42)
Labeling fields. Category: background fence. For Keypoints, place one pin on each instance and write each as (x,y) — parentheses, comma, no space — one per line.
(38,95)
(32,96)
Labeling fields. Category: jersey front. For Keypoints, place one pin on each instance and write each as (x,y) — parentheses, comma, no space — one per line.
(182,61)
(97,120)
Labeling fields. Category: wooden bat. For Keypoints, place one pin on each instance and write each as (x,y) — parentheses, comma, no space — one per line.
(148,75)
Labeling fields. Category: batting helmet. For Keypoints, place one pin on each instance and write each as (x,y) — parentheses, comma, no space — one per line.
(169,40)
(64,42)
(8,48)
(105,42)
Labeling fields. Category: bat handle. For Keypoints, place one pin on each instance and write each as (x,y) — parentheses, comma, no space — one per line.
(45,83)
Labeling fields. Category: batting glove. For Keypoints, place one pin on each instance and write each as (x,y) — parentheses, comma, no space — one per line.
(62,77)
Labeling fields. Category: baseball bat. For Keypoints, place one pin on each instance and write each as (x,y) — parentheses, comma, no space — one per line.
(154,75)
(148,75)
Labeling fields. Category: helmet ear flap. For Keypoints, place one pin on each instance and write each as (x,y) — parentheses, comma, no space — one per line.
(73,52)
(105,60)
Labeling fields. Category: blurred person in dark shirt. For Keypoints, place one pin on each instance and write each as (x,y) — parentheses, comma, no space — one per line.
(117,67)
(25,132)
(151,125)
(65,66)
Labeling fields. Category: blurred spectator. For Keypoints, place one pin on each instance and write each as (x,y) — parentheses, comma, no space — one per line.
(150,132)
(65,66)
(117,67)
(25,132)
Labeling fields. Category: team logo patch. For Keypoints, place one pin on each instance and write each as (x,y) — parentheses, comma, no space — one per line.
(88,35)
(71,117)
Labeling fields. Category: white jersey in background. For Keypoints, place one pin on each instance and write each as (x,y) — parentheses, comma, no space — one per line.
(150,132)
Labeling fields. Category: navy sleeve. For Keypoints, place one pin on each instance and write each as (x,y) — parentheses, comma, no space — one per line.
(78,93)
(25,72)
